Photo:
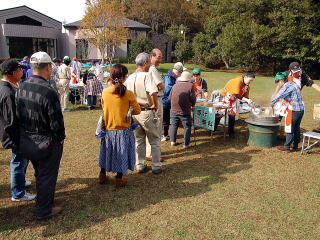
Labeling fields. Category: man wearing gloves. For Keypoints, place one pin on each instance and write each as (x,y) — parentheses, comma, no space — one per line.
(236,89)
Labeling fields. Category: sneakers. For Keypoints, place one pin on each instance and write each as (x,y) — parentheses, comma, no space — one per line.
(165,138)
(143,170)
(173,143)
(27,183)
(157,171)
(66,110)
(120,182)
(186,146)
(27,197)
(102,178)
(54,211)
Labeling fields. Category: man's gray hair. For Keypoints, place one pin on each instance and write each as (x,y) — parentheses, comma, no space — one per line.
(39,66)
(142,58)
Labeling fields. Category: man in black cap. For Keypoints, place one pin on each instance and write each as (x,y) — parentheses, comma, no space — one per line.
(9,128)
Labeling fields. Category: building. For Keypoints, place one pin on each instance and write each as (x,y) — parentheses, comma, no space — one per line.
(83,50)
(24,31)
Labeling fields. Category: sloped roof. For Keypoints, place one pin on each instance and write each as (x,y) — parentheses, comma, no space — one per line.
(130,24)
(24,6)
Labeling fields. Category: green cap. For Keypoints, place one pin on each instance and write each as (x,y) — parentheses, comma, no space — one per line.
(280,76)
(84,70)
(196,71)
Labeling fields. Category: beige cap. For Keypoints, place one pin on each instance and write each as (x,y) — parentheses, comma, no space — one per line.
(185,77)
(40,57)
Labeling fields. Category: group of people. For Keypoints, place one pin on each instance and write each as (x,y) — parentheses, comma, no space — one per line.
(138,112)
(67,72)
(32,126)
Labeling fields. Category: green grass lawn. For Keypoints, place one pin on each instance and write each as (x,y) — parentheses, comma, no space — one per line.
(215,190)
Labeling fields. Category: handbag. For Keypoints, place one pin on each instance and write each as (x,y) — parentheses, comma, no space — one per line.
(35,147)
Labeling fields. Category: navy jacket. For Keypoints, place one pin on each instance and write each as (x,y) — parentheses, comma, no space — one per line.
(9,124)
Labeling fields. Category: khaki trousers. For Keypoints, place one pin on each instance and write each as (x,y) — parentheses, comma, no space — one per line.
(63,87)
(148,128)
(160,116)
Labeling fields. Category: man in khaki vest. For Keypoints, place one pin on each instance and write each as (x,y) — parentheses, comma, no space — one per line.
(145,90)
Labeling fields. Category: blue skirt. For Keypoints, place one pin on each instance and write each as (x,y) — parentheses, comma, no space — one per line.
(117,151)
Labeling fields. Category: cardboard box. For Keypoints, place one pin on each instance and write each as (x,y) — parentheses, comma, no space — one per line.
(316,112)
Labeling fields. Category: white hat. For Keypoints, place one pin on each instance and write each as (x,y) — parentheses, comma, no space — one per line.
(40,57)
(185,77)
(179,66)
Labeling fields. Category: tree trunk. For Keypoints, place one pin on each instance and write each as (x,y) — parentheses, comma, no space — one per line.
(226,63)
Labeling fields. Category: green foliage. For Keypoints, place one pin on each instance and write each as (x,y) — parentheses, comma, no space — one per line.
(183,50)
(139,45)
(257,33)
(177,33)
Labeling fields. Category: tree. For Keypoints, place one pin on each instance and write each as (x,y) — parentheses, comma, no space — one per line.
(104,26)
(260,33)
(183,50)
(160,15)
(139,45)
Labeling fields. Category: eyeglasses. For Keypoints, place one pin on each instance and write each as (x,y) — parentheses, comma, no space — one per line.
(196,74)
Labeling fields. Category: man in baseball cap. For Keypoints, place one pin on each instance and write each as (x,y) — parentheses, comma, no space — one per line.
(40,114)
(9,128)
(8,67)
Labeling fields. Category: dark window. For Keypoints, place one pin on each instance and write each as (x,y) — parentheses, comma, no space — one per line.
(23,20)
(81,48)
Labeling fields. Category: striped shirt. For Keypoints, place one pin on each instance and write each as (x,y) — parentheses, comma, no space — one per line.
(39,110)
(290,92)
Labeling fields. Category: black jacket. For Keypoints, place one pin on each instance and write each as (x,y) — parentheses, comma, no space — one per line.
(38,109)
(9,124)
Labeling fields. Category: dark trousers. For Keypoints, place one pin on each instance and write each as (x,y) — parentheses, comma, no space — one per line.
(232,120)
(166,121)
(46,173)
(294,136)
(186,123)
(91,100)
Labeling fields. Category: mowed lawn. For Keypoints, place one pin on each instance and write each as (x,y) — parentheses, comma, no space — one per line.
(215,190)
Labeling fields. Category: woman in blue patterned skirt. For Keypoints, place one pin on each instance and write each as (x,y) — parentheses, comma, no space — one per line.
(117,152)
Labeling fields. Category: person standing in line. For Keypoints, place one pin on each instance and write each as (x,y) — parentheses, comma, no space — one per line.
(117,152)
(93,88)
(64,73)
(54,78)
(76,68)
(9,129)
(27,68)
(182,98)
(41,120)
(169,81)
(146,92)
(156,59)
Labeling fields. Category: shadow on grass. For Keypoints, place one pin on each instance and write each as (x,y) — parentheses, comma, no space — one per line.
(87,203)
